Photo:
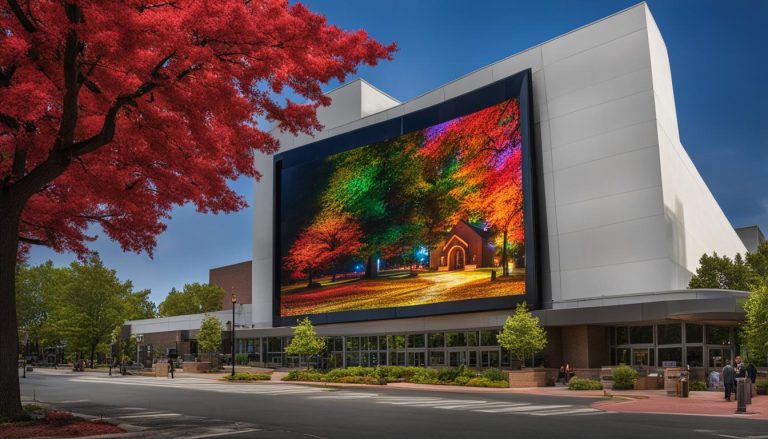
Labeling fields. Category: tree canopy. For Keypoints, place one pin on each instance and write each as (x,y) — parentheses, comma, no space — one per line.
(305,341)
(113,112)
(209,336)
(522,335)
(195,298)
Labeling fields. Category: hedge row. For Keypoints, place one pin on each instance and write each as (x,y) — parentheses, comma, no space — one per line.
(460,376)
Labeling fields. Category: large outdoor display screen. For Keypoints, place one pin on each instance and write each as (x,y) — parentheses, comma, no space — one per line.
(431,216)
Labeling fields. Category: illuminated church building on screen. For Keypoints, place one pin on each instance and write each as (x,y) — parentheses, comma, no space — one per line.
(580,201)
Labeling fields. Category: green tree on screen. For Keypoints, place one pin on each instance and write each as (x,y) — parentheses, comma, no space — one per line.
(209,337)
(305,342)
(522,335)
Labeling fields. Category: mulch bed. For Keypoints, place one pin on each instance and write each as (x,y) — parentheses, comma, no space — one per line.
(56,424)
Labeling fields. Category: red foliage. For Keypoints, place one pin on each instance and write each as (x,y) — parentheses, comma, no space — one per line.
(323,244)
(76,428)
(114,111)
(487,145)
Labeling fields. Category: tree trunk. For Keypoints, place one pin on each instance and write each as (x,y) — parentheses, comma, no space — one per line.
(370,271)
(309,282)
(10,398)
(504,262)
(93,352)
(333,277)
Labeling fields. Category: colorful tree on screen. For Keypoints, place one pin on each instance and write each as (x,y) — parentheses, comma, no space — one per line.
(322,245)
(486,146)
(113,112)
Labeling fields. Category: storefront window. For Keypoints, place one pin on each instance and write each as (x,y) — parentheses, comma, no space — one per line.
(472,338)
(671,354)
(623,356)
(694,333)
(622,335)
(669,334)
(641,334)
(436,340)
(416,358)
(397,342)
(488,338)
(382,343)
(436,358)
(694,356)
(456,339)
(416,341)
(718,335)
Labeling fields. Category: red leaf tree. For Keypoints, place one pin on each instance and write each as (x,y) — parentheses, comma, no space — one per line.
(487,146)
(114,111)
(322,245)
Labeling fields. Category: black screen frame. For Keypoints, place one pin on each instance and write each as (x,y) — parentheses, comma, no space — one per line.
(518,85)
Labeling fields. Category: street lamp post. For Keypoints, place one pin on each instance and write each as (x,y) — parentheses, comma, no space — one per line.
(234,302)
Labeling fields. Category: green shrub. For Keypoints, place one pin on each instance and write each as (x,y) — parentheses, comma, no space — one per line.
(462,380)
(357,371)
(697,386)
(425,376)
(624,377)
(449,374)
(398,373)
(584,384)
(494,374)
(485,382)
(359,380)
(241,359)
(304,375)
(247,376)
(762,386)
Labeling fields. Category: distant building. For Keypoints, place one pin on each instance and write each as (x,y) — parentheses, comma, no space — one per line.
(467,247)
(751,236)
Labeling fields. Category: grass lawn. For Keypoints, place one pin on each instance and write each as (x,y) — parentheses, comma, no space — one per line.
(395,291)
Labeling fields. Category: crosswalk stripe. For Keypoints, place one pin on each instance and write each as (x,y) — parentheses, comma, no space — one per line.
(482,404)
(525,408)
(565,412)
(156,415)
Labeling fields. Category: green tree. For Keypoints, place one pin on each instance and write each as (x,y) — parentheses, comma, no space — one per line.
(305,341)
(92,305)
(195,298)
(758,261)
(209,337)
(38,292)
(723,273)
(755,329)
(139,307)
(522,335)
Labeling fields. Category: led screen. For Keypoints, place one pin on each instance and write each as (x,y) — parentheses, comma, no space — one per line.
(432,216)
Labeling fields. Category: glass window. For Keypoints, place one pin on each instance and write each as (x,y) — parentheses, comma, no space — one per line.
(416,358)
(436,340)
(436,358)
(640,334)
(397,342)
(694,333)
(472,338)
(373,343)
(416,341)
(336,344)
(718,335)
(694,356)
(671,354)
(622,356)
(353,359)
(669,334)
(488,338)
(622,335)
(456,339)
(353,343)
(274,344)
(382,344)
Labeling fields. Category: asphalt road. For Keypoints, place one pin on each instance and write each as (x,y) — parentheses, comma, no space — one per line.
(198,408)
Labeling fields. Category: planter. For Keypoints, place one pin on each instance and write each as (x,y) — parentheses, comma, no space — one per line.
(196,366)
(531,377)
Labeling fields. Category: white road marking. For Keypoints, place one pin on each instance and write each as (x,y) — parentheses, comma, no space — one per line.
(565,412)
(525,408)
(156,415)
(225,433)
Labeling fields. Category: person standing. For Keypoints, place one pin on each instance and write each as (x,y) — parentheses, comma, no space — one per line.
(741,371)
(729,376)
(170,368)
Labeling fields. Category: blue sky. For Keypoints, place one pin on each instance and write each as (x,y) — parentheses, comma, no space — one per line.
(717,51)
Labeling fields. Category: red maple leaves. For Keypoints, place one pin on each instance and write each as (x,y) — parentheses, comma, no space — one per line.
(113,112)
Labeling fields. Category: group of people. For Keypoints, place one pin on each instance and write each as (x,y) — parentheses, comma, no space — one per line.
(565,374)
(739,370)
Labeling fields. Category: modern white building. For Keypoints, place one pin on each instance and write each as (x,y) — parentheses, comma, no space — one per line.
(625,217)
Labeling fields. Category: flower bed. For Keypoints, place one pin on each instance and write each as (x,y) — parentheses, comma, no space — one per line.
(457,376)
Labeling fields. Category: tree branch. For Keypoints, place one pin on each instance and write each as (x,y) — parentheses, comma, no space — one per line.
(26,23)
(34,241)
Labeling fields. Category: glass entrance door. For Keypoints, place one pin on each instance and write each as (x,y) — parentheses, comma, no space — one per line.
(489,359)
(457,358)
(640,357)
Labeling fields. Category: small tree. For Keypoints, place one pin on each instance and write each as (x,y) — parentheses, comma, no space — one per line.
(522,335)
(305,341)
(755,329)
(209,337)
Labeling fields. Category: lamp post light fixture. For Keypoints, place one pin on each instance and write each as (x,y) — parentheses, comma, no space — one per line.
(234,302)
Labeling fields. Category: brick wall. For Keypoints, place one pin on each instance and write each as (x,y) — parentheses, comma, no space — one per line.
(235,278)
